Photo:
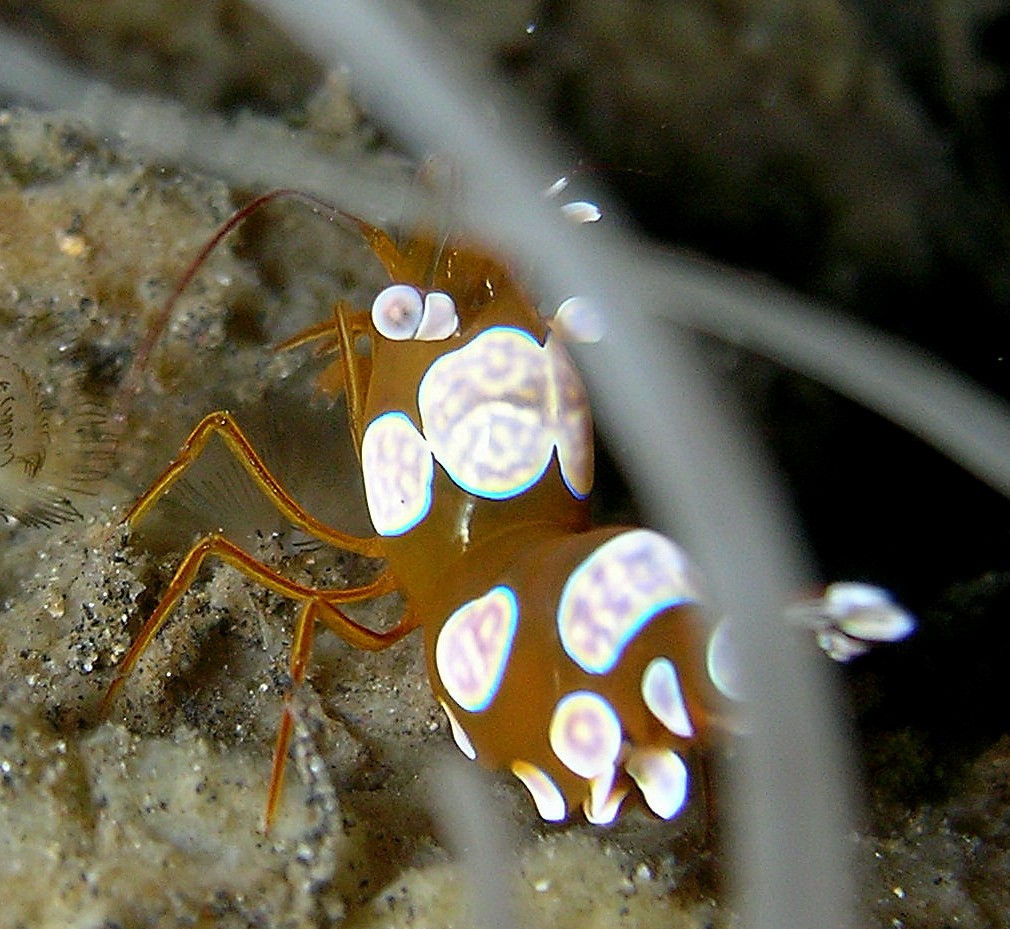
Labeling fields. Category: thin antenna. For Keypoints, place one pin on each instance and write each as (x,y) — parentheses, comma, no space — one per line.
(131,384)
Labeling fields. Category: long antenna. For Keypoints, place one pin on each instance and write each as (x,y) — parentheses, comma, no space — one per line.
(131,384)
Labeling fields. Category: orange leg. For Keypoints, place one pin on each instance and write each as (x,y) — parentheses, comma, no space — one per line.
(318,604)
(350,372)
(355,369)
(222,424)
(301,647)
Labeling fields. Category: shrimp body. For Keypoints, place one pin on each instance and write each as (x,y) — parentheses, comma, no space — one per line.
(576,657)
(572,656)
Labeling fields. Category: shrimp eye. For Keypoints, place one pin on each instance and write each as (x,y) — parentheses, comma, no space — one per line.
(397,312)
(400,313)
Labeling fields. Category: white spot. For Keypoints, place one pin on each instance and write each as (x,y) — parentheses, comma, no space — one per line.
(473,648)
(585,734)
(604,800)
(662,695)
(866,612)
(581,211)
(722,660)
(577,320)
(398,471)
(851,617)
(573,423)
(556,188)
(460,737)
(620,587)
(438,319)
(397,311)
(549,800)
(839,647)
(494,410)
(661,775)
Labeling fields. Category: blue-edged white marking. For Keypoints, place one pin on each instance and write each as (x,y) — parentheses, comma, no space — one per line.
(549,800)
(494,411)
(661,775)
(398,471)
(459,735)
(473,648)
(662,695)
(621,586)
(585,733)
